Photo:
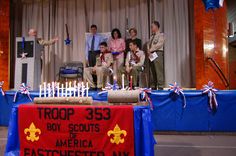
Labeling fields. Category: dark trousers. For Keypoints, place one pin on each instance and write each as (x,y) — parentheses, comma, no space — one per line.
(92,57)
(157,71)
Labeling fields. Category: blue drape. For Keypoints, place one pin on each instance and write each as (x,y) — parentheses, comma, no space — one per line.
(168,114)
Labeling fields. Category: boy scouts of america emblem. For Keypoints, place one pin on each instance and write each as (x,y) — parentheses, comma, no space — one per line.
(32,133)
(116,134)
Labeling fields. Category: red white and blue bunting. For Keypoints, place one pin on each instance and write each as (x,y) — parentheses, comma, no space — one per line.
(1,88)
(211,91)
(24,89)
(176,89)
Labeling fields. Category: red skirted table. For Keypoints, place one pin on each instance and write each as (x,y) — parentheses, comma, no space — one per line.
(80,130)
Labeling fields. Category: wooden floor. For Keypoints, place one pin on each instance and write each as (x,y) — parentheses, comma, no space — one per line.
(195,145)
(3,140)
(178,145)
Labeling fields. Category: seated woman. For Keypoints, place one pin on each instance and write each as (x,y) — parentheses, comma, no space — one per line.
(133,64)
(101,69)
(117,46)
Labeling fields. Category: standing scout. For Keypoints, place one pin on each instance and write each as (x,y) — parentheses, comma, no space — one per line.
(133,64)
(156,56)
(101,69)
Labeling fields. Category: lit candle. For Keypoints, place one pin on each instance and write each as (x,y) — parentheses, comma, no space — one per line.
(58,89)
(44,89)
(114,83)
(62,90)
(78,89)
(66,88)
(131,82)
(87,88)
(123,81)
(82,89)
(40,90)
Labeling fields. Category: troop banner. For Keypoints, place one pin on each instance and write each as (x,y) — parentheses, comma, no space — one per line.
(62,130)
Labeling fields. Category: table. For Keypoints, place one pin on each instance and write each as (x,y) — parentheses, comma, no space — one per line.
(168,114)
(143,133)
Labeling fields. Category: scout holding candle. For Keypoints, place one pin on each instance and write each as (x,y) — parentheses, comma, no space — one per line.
(133,64)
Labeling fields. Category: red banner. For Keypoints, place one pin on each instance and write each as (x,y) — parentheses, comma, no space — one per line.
(62,130)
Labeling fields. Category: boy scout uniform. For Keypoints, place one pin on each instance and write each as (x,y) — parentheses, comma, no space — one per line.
(45,42)
(155,45)
(101,69)
(136,61)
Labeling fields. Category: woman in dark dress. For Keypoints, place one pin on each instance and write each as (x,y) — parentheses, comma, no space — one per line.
(133,37)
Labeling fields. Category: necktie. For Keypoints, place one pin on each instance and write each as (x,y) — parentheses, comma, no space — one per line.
(136,58)
(92,44)
(151,41)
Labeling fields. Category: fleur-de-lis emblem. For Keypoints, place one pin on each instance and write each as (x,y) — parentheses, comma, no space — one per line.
(32,133)
(117,132)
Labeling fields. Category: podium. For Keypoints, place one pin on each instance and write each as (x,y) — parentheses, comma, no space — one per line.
(28,62)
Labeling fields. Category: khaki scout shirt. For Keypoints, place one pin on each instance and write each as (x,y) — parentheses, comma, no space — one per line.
(45,42)
(108,59)
(156,42)
(130,59)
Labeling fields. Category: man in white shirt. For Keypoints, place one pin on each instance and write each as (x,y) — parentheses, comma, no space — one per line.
(92,46)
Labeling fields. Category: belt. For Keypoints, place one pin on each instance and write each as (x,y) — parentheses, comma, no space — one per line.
(158,51)
(95,51)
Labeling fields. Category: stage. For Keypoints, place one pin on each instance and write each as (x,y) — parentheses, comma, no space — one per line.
(168,113)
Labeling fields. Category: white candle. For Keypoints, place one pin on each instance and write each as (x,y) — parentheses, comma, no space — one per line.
(44,89)
(66,88)
(62,90)
(114,83)
(70,88)
(58,89)
(53,89)
(78,89)
(82,89)
(74,89)
(49,90)
(40,91)
(87,88)
(123,81)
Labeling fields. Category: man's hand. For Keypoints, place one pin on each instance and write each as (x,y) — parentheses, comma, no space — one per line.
(55,39)
(128,69)
(87,63)
(94,70)
(104,64)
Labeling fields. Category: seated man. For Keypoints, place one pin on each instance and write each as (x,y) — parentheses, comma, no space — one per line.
(133,64)
(101,69)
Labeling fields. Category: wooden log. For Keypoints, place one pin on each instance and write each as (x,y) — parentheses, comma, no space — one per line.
(64,100)
(123,96)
